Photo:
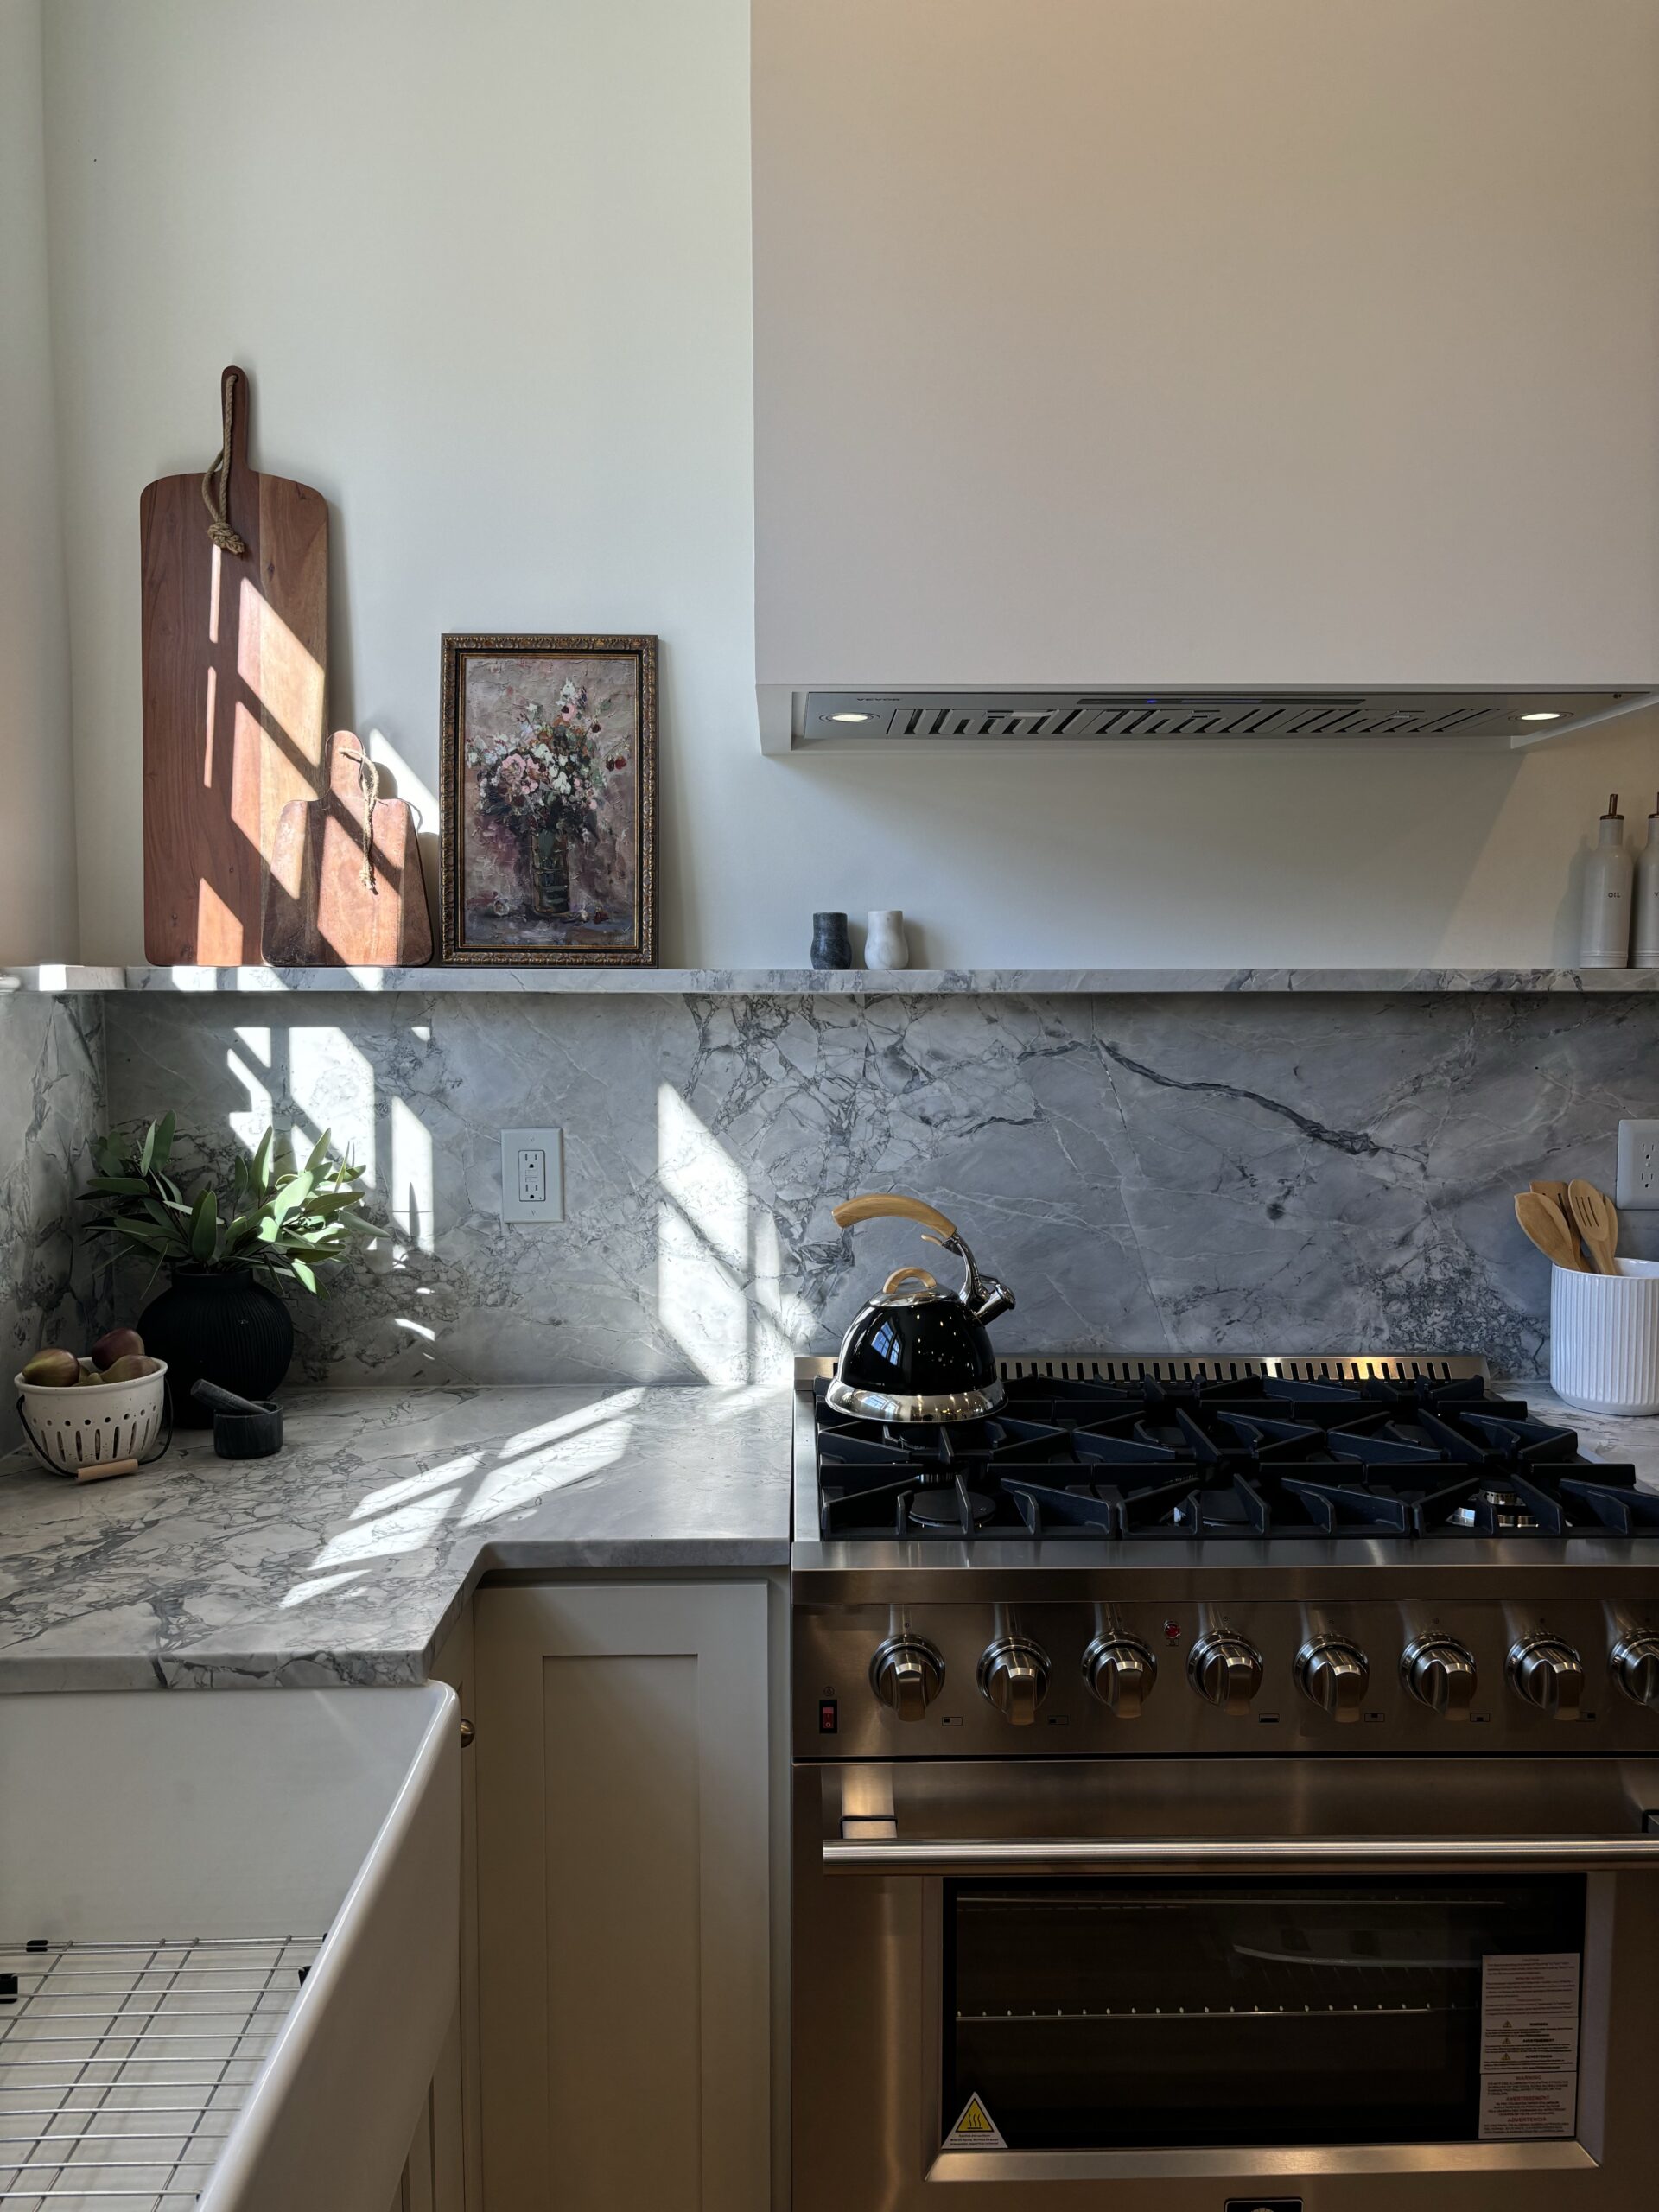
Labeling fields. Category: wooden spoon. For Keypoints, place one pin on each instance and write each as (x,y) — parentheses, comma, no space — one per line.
(1593,1215)
(1555,1190)
(1545,1224)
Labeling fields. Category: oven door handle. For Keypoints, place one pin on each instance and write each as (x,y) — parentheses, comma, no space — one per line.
(891,1854)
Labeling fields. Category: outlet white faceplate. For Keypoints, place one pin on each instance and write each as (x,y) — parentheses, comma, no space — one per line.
(532,1175)
(1638,1187)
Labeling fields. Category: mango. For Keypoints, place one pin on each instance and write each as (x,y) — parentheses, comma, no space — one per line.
(89,1377)
(117,1343)
(53,1369)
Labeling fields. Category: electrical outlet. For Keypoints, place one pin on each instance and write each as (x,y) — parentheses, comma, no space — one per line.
(1637,1184)
(532,1175)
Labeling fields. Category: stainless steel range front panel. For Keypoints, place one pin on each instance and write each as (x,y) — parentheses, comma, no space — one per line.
(837,1713)
(869,2060)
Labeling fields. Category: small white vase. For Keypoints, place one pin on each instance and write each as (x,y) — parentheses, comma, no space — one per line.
(885,943)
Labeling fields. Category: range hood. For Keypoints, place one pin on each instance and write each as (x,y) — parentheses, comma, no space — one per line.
(1470,719)
(1254,349)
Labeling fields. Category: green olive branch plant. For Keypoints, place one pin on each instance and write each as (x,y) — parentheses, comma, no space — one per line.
(279,1220)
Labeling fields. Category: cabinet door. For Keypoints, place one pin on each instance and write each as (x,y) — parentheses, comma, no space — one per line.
(622,1780)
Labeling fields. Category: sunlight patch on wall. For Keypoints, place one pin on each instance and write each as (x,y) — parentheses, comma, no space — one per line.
(783,1321)
(332,1086)
(409,1183)
(251,1123)
(701,1244)
(711,1189)
(384,754)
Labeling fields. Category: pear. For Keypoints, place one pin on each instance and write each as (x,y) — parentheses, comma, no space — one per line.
(117,1343)
(53,1369)
(131,1369)
(88,1378)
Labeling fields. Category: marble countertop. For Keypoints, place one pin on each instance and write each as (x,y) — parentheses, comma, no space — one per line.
(346,1558)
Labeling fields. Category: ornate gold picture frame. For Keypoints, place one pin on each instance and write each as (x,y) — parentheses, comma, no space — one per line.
(548,801)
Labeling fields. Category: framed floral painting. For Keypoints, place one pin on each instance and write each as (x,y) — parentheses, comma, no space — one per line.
(549,801)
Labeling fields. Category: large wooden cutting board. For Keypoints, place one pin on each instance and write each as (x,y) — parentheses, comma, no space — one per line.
(235,681)
(329,902)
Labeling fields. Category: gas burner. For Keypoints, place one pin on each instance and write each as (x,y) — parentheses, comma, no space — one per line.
(1205,1457)
(940,1505)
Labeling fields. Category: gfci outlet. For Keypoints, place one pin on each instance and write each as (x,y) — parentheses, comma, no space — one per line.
(1637,1184)
(532,1175)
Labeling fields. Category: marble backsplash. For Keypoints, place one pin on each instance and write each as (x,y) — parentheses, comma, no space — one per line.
(1149,1174)
(52,1288)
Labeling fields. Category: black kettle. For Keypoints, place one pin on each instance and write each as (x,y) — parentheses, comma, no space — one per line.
(917,1352)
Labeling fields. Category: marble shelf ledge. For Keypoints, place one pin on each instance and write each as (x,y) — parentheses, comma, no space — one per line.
(792,983)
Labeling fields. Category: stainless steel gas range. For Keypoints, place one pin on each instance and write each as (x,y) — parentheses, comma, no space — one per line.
(1222,1784)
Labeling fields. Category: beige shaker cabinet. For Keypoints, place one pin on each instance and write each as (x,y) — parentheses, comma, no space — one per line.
(621,1770)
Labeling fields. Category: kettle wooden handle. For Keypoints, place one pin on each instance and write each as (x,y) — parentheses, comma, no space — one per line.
(909,1274)
(876,1204)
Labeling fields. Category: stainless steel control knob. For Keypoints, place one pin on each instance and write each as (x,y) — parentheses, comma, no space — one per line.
(1013,1676)
(1440,1675)
(907,1674)
(1121,1672)
(1635,1668)
(1226,1670)
(1548,1674)
(1335,1675)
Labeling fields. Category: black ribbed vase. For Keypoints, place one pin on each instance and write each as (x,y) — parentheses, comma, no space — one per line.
(222,1323)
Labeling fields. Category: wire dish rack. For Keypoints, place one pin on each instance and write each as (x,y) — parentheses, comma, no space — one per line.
(123,2065)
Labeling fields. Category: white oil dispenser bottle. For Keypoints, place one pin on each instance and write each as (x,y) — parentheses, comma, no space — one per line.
(1606,941)
(1644,936)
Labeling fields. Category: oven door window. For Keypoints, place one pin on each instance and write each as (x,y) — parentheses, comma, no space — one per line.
(1122,2014)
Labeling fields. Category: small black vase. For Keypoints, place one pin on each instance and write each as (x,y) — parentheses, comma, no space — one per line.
(832,944)
(220,1323)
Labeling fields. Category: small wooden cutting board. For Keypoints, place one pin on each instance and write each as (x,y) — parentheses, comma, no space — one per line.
(235,679)
(328,904)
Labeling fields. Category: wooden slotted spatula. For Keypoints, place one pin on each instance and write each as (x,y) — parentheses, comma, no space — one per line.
(1591,1213)
(1543,1221)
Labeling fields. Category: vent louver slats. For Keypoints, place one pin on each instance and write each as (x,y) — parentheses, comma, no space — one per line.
(1456,718)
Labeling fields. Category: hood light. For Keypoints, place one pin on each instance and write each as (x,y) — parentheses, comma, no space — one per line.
(849,718)
(1544,714)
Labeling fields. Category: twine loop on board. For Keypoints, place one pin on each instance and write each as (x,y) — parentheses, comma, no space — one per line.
(215,487)
(368,778)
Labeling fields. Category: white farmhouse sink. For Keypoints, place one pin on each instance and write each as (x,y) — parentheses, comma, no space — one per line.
(179,1856)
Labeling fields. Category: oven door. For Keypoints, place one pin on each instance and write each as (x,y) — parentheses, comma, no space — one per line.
(1190,1985)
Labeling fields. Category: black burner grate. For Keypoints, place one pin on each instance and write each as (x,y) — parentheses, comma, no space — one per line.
(1249,1456)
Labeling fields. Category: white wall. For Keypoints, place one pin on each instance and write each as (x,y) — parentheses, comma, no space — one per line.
(37,846)
(488,266)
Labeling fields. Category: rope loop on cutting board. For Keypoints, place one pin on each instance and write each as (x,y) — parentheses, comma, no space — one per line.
(368,777)
(215,487)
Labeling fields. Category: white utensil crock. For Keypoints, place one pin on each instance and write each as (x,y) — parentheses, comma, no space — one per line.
(1604,1338)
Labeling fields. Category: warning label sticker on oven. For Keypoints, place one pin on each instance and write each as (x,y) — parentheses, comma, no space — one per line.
(1529,2043)
(975,2130)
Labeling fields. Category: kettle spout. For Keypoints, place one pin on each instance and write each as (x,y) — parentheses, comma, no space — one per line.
(995,1298)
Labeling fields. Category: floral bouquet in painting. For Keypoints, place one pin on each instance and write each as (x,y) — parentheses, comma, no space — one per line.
(543,782)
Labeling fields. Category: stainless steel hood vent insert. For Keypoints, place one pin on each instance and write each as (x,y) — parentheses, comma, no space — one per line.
(1449,718)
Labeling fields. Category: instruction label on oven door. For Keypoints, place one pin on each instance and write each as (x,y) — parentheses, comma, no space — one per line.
(1529,2044)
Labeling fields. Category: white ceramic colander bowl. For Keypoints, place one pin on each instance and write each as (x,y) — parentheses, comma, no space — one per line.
(75,1428)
